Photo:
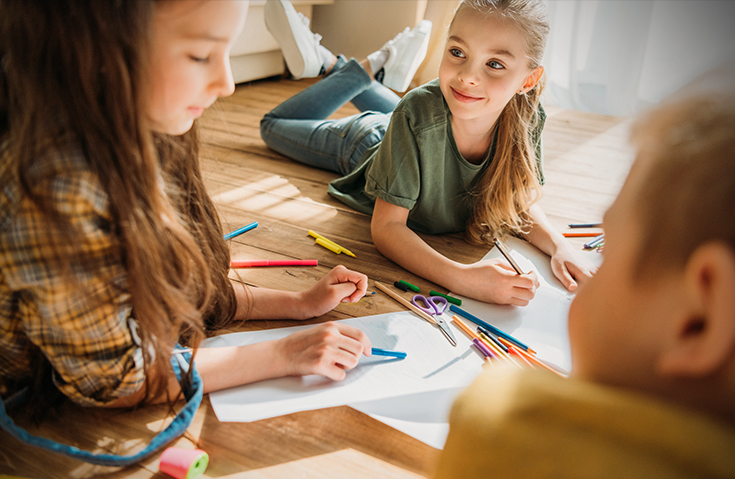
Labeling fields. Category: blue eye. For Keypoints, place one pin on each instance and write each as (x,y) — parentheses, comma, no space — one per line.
(495,65)
(456,52)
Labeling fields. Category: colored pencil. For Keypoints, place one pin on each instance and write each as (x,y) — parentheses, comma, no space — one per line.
(581,235)
(466,329)
(506,253)
(492,337)
(515,352)
(483,348)
(585,225)
(241,230)
(266,262)
(598,239)
(534,360)
(489,327)
(405,303)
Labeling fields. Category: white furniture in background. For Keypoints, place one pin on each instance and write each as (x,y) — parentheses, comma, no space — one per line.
(255,54)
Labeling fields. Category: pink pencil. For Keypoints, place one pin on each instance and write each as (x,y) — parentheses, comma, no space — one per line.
(265,262)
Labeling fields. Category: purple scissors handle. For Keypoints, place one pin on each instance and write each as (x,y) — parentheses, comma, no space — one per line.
(433,305)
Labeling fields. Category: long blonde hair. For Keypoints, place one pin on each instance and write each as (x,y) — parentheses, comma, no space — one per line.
(73,73)
(511,183)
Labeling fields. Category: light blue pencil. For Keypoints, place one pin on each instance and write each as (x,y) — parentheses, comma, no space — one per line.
(241,230)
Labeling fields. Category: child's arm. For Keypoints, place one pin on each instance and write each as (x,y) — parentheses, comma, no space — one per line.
(328,349)
(490,281)
(340,285)
(568,266)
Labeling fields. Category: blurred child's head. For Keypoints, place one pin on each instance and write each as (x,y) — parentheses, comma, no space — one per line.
(491,78)
(659,315)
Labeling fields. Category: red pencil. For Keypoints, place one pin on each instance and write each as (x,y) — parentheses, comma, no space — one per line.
(580,235)
(265,262)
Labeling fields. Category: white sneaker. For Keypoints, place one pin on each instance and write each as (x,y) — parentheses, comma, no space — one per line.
(407,51)
(300,46)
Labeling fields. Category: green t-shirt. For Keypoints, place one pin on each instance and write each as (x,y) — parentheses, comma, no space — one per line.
(418,166)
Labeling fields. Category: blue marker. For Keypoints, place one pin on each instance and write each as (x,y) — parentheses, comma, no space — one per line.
(385,352)
(241,230)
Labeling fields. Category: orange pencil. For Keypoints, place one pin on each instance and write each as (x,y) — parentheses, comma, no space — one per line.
(580,235)
(460,324)
(515,351)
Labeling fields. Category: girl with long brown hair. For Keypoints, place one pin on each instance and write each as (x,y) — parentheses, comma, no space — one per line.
(111,251)
(460,153)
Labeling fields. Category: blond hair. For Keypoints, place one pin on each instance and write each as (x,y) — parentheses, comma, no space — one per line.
(511,183)
(686,192)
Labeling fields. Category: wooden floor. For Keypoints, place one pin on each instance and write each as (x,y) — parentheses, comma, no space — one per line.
(586,160)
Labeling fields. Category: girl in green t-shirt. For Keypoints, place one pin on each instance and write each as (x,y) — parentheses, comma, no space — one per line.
(461,153)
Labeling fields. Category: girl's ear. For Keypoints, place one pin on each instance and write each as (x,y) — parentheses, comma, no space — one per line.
(704,337)
(532,79)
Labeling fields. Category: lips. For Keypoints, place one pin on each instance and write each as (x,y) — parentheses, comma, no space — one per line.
(464,97)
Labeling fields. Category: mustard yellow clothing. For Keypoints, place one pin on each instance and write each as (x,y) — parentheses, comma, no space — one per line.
(79,322)
(532,424)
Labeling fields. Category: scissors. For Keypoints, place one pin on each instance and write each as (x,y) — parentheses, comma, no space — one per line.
(435,306)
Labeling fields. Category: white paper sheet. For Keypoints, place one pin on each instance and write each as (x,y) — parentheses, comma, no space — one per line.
(432,364)
(542,324)
(413,395)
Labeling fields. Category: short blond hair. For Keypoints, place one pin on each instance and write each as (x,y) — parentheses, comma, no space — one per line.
(686,147)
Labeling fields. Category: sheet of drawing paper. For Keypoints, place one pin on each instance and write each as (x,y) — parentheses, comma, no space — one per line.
(432,364)
(542,324)
(424,416)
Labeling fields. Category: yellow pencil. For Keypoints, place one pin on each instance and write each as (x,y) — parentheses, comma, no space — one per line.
(335,247)
(410,306)
(329,245)
(494,348)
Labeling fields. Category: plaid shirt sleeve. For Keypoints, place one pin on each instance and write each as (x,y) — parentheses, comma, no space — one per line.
(77,316)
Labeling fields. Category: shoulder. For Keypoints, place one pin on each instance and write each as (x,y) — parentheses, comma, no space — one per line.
(424,106)
(62,179)
(538,424)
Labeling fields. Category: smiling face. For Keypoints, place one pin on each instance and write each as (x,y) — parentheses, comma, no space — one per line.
(190,64)
(484,65)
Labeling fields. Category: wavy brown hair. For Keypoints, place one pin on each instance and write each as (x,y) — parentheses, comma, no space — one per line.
(74,72)
(511,183)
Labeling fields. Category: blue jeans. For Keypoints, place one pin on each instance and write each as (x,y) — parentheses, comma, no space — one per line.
(298,128)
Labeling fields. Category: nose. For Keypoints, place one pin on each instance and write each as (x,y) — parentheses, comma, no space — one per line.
(223,84)
(468,74)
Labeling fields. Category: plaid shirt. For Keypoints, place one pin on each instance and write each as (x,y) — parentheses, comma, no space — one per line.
(79,322)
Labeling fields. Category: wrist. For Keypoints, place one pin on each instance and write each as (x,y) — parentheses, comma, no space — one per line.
(280,364)
(455,278)
(299,305)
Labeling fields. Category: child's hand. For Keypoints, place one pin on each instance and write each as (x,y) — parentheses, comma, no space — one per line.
(495,281)
(571,268)
(327,349)
(340,285)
